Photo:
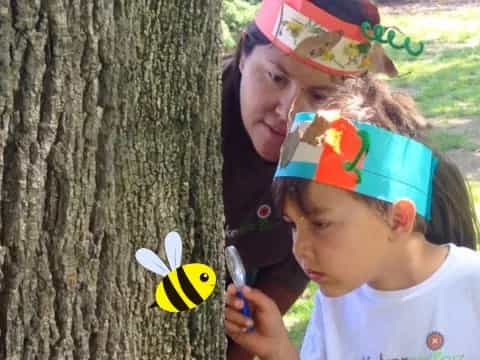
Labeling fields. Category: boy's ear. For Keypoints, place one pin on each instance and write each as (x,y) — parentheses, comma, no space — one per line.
(402,216)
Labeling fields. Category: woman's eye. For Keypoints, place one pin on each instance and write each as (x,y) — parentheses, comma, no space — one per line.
(276,78)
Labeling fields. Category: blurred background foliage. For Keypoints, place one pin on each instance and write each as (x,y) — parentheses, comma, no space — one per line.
(236,14)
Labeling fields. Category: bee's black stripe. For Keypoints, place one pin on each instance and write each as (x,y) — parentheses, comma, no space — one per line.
(172,295)
(188,288)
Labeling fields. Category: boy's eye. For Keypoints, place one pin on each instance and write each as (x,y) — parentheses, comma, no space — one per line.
(322,225)
(318,96)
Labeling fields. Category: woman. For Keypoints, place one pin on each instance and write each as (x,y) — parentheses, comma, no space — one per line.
(289,59)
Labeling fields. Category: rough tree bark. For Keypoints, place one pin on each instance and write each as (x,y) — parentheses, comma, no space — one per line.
(109,138)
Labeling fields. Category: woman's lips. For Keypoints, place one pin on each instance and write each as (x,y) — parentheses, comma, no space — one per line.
(277,130)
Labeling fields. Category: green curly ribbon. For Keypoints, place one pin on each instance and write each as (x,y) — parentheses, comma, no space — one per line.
(377,34)
(352,166)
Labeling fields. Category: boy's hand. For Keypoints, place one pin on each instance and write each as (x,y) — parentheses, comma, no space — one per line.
(269,340)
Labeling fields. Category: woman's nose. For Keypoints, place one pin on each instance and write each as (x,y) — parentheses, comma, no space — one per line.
(286,101)
(299,104)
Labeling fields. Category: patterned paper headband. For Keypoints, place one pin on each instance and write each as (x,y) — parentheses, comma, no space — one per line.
(320,39)
(359,157)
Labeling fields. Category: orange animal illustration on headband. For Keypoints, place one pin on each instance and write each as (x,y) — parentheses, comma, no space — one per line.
(342,159)
(342,149)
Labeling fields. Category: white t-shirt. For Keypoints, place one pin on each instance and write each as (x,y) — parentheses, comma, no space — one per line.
(438,319)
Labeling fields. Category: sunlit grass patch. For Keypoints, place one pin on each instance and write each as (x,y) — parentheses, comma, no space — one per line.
(475,186)
(459,26)
(444,79)
(446,83)
(296,319)
(443,140)
(475,189)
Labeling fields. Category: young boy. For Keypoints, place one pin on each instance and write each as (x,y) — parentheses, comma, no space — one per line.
(359,201)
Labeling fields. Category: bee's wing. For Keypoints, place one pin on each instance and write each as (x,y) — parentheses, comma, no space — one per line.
(173,248)
(149,260)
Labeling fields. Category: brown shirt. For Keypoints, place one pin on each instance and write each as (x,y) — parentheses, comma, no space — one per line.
(252,224)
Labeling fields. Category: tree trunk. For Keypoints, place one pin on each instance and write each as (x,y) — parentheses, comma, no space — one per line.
(109,111)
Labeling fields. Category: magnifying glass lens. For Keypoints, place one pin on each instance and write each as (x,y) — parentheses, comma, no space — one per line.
(238,274)
(235,266)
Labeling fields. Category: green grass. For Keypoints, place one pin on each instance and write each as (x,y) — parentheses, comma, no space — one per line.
(475,186)
(444,83)
(444,140)
(296,319)
(444,79)
(475,189)
(460,26)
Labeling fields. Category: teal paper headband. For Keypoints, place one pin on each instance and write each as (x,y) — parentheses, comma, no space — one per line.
(359,157)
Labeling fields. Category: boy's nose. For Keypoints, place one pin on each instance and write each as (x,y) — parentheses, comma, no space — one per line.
(301,244)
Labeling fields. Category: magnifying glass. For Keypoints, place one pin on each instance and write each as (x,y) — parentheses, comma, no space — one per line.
(237,273)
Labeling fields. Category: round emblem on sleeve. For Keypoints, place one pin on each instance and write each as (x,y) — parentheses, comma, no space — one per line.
(435,340)
(264,211)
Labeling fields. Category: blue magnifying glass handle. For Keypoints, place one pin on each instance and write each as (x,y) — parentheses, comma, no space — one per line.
(238,274)
(246,308)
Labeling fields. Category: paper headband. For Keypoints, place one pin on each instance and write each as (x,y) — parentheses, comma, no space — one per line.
(322,40)
(359,157)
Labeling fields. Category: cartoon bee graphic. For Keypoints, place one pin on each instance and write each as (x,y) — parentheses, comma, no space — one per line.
(182,287)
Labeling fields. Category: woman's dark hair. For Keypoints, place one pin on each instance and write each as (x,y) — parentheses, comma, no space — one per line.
(251,37)
(353,11)
(453,213)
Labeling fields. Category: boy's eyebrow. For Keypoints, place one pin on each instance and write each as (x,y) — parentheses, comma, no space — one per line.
(310,212)
(323,88)
(316,210)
